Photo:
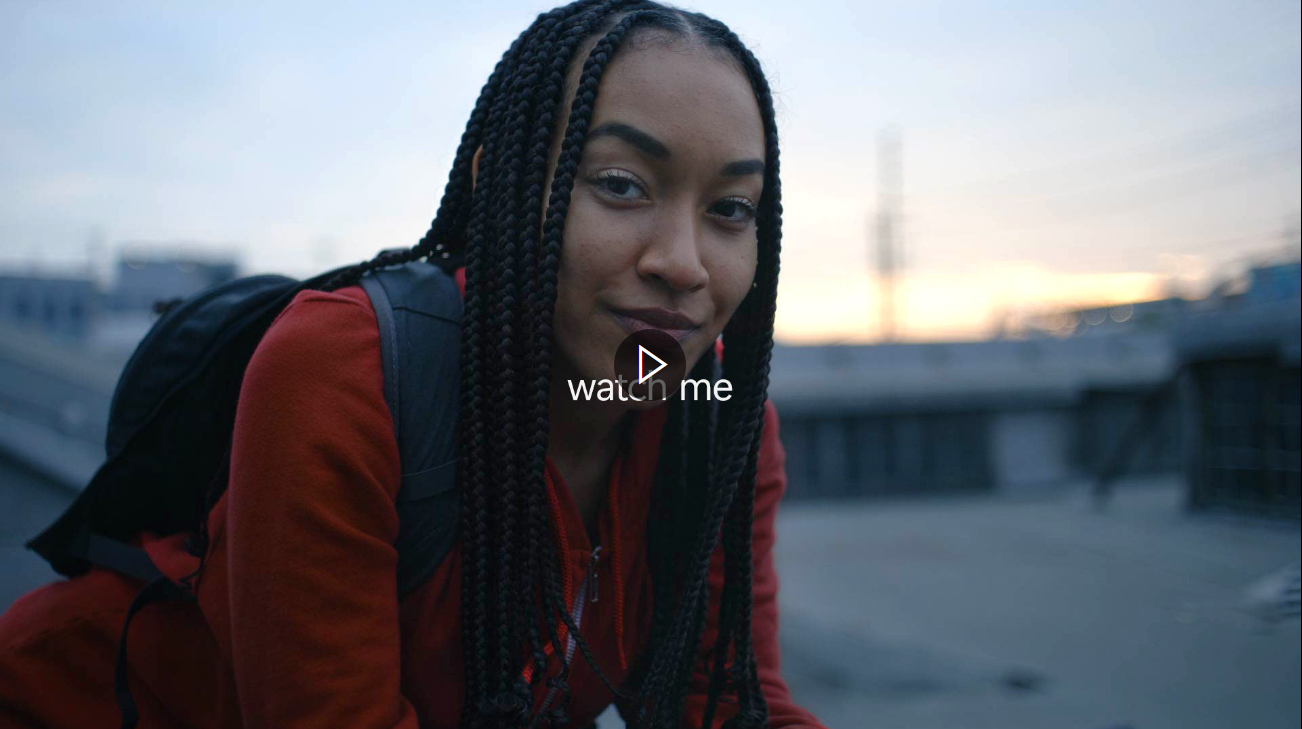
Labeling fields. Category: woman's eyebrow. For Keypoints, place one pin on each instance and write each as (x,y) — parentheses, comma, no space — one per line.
(742,168)
(636,137)
(655,148)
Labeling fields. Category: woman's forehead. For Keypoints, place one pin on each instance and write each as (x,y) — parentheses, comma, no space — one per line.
(685,95)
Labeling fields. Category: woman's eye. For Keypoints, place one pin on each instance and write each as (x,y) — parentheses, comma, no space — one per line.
(734,210)
(619,186)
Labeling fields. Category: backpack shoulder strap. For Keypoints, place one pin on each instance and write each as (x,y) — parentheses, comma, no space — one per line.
(418,310)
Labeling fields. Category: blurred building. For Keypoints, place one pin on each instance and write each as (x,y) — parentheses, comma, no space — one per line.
(75,307)
(1242,403)
(55,306)
(1276,282)
(1208,388)
(143,279)
(1157,316)
(925,418)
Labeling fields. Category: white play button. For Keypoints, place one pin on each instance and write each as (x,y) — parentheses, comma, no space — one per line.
(652,365)
(642,354)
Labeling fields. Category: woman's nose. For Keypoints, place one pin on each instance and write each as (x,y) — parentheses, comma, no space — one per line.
(674,253)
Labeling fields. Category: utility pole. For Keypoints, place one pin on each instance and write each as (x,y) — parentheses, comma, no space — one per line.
(889,179)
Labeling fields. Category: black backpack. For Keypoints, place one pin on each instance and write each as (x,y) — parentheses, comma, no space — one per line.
(173,412)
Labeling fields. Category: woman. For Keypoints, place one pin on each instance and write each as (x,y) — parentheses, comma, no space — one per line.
(621,158)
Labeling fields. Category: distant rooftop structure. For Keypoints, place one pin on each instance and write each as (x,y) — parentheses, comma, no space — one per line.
(144,278)
(1244,409)
(1265,283)
(903,377)
(902,419)
(55,306)
(74,307)
(1275,282)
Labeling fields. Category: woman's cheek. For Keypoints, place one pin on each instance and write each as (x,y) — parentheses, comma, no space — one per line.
(592,234)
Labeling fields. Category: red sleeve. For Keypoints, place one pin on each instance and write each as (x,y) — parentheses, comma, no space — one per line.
(311,525)
(770,483)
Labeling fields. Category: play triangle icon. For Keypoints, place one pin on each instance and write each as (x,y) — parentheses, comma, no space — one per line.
(642,354)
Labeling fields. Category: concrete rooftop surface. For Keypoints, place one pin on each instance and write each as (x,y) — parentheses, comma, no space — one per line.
(1046,614)
(990,612)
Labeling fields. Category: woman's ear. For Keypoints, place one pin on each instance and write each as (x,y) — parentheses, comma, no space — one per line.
(474,167)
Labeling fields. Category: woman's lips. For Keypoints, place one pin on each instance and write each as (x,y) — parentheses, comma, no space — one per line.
(672,323)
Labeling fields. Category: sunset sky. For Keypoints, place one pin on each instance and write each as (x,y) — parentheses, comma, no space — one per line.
(1053,154)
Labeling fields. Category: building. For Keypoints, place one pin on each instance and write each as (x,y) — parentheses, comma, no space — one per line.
(1208,387)
(143,280)
(61,307)
(924,418)
(1240,370)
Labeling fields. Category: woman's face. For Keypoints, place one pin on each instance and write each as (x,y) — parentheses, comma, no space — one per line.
(660,229)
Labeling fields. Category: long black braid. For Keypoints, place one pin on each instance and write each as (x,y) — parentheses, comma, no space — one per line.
(510,245)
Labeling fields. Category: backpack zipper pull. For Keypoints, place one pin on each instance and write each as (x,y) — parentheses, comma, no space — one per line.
(592,570)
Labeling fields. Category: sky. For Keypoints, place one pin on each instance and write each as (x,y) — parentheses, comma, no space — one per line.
(1052,154)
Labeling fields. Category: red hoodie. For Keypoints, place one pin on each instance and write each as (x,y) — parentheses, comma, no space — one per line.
(298,622)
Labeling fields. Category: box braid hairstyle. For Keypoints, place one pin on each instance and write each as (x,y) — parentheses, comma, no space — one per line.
(705,485)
